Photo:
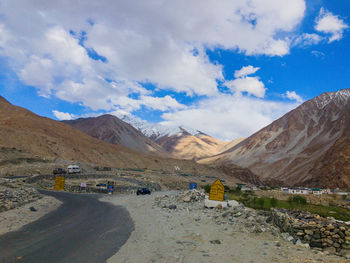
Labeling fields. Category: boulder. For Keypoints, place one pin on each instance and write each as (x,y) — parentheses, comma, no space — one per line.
(213,204)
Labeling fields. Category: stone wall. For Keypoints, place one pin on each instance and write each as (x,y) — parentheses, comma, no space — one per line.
(327,234)
(13,194)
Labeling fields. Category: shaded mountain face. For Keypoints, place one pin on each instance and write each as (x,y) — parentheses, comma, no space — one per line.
(111,129)
(307,146)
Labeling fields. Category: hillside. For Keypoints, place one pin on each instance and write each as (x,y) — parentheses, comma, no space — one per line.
(111,129)
(307,146)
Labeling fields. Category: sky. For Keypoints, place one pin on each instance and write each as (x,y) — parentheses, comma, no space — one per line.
(227,68)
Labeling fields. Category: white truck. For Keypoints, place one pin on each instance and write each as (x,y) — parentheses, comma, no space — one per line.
(73,169)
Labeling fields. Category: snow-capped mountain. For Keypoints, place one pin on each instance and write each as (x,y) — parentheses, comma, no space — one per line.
(180,142)
(155,131)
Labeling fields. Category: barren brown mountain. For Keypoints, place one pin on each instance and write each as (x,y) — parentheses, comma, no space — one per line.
(111,129)
(307,146)
(27,139)
(184,145)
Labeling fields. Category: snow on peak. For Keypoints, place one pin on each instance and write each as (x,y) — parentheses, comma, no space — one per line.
(155,130)
(339,97)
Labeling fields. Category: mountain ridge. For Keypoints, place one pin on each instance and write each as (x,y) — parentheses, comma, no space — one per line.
(286,150)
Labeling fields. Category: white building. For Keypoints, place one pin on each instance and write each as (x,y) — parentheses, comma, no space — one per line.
(298,191)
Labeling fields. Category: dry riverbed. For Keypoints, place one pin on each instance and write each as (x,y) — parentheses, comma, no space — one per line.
(191,233)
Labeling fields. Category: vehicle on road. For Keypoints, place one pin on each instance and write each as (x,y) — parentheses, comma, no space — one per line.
(59,171)
(143,191)
(73,169)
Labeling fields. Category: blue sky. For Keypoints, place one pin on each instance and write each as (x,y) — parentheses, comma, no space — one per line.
(226,69)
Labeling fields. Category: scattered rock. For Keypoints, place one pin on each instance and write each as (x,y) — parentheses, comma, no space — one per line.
(172,207)
(216,242)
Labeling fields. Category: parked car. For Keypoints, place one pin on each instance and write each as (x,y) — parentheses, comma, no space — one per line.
(73,169)
(59,171)
(143,191)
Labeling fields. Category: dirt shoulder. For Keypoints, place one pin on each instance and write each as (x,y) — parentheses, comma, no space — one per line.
(14,219)
(191,233)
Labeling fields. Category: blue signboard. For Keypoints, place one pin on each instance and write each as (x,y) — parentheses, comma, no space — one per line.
(193,186)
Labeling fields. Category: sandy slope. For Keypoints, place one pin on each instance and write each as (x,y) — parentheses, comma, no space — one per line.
(184,235)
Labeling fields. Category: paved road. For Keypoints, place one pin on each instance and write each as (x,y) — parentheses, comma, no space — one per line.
(82,229)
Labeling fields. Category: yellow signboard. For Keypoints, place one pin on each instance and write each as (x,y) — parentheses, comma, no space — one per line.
(59,183)
(217,191)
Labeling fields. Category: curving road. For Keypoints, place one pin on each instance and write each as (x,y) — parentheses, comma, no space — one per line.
(82,229)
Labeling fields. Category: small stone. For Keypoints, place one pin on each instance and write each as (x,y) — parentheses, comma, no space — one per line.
(336,245)
(33,209)
(172,207)
(330,227)
(308,232)
(216,242)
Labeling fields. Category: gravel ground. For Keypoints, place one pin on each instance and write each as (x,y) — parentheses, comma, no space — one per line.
(14,219)
(191,233)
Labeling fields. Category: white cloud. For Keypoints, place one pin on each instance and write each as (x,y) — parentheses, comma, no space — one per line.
(152,41)
(307,39)
(331,24)
(244,83)
(251,85)
(63,115)
(318,54)
(245,71)
(228,116)
(292,95)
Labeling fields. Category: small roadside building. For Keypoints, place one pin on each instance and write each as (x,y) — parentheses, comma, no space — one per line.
(298,191)
(317,191)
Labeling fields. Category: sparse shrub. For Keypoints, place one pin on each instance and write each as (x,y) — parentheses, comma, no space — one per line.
(206,188)
(273,202)
(299,200)
(260,202)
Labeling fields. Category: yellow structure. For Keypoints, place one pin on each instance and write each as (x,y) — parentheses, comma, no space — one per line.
(59,183)
(217,191)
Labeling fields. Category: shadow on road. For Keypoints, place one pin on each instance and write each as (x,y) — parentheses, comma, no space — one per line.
(82,229)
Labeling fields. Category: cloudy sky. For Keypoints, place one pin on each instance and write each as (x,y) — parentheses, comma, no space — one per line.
(227,67)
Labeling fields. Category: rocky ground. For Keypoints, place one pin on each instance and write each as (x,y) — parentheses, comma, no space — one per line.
(13,193)
(175,227)
(21,204)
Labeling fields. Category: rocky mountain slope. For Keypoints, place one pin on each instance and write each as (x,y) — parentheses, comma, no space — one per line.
(111,129)
(308,145)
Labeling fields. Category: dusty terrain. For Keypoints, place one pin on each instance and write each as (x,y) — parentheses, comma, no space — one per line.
(190,233)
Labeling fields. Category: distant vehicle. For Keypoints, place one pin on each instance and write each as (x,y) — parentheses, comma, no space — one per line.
(59,171)
(73,169)
(143,191)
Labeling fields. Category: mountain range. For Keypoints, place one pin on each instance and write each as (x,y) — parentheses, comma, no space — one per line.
(308,146)
(26,138)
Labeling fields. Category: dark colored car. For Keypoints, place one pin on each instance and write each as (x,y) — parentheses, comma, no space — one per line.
(143,191)
(59,171)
